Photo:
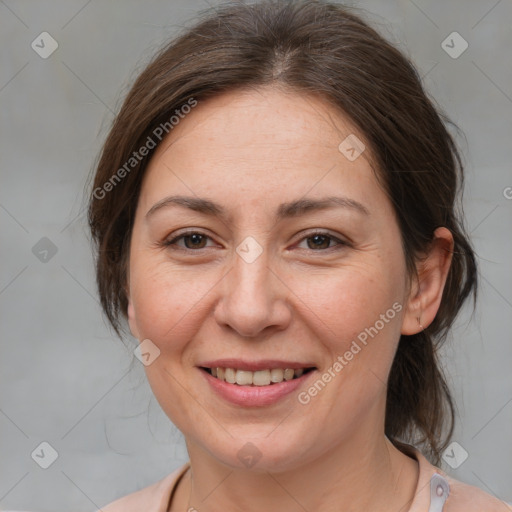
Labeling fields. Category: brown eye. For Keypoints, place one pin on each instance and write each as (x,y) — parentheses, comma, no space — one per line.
(321,241)
(191,240)
(196,241)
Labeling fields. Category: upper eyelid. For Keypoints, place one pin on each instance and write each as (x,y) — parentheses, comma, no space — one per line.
(187,233)
(170,241)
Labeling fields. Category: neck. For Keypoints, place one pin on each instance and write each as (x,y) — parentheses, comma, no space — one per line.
(360,474)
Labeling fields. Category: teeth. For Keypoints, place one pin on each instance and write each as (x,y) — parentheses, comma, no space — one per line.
(261,378)
(230,375)
(243,378)
(276,375)
(257,378)
(288,374)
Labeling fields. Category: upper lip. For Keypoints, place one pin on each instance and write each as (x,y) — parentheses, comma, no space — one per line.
(262,364)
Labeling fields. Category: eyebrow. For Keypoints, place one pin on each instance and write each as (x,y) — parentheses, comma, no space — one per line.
(285,210)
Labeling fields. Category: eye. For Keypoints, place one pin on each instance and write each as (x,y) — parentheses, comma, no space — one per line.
(316,241)
(191,239)
(321,240)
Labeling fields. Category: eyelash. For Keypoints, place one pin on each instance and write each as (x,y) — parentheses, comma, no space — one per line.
(339,243)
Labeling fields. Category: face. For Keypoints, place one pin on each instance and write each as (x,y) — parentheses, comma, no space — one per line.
(294,263)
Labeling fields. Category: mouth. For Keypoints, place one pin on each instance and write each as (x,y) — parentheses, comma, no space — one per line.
(256,378)
(260,383)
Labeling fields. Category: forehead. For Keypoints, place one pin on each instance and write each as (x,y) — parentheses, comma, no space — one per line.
(259,142)
(263,118)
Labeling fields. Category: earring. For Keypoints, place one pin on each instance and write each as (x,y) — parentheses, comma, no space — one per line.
(419,323)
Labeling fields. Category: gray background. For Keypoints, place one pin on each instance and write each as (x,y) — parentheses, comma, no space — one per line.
(65,379)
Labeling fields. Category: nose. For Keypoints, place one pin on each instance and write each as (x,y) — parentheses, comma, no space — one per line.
(253,298)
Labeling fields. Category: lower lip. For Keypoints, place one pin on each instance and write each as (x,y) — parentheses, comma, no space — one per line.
(254,396)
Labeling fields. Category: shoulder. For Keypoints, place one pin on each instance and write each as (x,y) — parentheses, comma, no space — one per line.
(466,498)
(436,491)
(153,498)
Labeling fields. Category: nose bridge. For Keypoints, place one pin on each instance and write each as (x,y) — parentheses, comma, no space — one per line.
(251,270)
(252,299)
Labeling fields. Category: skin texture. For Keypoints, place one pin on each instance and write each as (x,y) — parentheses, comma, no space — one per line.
(250,151)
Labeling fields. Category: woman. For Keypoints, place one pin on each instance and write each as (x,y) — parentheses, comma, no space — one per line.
(275,218)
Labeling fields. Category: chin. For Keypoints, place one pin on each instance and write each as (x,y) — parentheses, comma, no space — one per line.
(260,449)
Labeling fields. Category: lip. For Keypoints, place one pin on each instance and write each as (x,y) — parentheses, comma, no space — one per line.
(255,396)
(253,366)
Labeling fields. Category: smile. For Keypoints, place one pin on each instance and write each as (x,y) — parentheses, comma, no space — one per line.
(265,377)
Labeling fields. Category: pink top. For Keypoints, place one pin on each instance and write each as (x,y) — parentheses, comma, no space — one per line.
(435,492)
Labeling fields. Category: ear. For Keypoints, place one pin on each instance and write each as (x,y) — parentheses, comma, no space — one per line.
(427,287)
(130,310)
(131,313)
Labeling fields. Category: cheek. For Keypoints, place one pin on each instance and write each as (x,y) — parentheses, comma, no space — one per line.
(167,301)
(355,313)
(349,299)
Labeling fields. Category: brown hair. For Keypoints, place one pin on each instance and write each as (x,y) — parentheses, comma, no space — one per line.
(324,49)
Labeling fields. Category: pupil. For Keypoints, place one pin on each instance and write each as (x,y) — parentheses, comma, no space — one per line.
(195,240)
(320,241)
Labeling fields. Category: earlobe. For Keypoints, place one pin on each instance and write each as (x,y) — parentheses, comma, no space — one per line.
(427,288)
(131,319)
(130,310)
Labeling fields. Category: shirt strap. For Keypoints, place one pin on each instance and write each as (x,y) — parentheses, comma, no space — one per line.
(439,492)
